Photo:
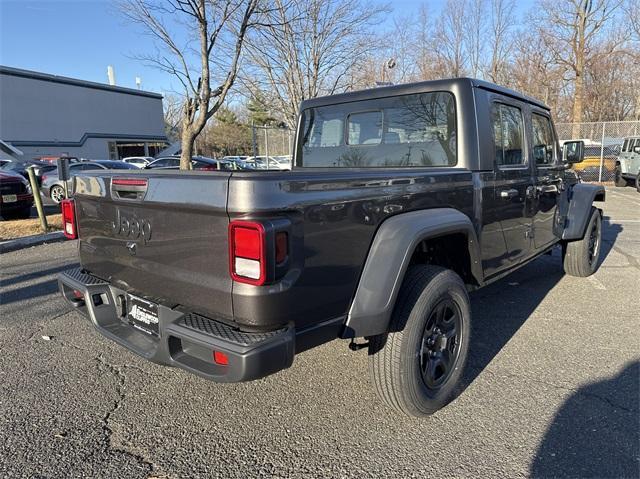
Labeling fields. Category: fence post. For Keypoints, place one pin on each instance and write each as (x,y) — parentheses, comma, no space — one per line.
(266,145)
(254,140)
(604,124)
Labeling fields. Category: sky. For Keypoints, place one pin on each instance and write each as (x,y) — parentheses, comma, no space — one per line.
(80,38)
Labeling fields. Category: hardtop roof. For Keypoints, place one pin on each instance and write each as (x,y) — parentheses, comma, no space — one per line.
(418,87)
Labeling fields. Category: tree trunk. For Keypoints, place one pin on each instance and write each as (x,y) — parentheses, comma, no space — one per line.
(578,95)
(188,139)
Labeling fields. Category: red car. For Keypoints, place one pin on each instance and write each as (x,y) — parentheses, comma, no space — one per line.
(16,198)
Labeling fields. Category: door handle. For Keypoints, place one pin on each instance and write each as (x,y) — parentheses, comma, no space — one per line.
(508,194)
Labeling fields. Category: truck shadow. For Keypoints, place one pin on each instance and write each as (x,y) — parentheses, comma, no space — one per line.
(595,433)
(500,309)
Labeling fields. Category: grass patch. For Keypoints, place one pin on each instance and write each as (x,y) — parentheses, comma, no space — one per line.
(20,228)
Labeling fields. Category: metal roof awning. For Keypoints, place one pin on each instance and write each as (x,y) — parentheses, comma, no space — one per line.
(10,149)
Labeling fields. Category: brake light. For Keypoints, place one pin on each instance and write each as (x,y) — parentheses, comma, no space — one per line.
(129,181)
(69,226)
(247,260)
(207,168)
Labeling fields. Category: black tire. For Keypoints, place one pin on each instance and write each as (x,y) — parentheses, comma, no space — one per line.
(580,257)
(404,362)
(638,182)
(618,179)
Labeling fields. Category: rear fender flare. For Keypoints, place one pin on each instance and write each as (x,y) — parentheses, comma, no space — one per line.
(388,260)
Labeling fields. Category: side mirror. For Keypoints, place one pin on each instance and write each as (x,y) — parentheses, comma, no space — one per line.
(573,152)
(636,149)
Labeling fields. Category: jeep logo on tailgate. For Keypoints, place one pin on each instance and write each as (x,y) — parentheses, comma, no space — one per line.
(131,227)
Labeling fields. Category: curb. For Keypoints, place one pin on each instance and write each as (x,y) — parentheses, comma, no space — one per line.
(28,241)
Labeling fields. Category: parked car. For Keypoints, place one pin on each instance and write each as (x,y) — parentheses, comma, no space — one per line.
(627,169)
(589,168)
(262,162)
(20,167)
(376,236)
(16,198)
(53,187)
(139,161)
(201,163)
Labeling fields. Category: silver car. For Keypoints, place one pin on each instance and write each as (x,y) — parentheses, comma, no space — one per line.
(53,187)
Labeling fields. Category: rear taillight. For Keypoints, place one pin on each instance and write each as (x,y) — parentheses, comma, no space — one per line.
(69,226)
(247,252)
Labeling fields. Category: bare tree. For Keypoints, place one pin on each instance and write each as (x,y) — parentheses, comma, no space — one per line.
(172,104)
(311,48)
(501,39)
(194,38)
(450,37)
(572,30)
(475,34)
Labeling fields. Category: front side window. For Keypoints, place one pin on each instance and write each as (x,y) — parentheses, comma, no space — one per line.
(404,131)
(508,135)
(543,150)
(625,145)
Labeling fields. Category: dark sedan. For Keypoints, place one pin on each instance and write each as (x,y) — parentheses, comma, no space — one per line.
(201,163)
(20,167)
(16,198)
(53,187)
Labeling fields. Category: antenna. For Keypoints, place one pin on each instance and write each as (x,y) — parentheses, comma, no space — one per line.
(111,74)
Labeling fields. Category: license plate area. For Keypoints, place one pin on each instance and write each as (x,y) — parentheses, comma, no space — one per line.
(143,315)
(9,198)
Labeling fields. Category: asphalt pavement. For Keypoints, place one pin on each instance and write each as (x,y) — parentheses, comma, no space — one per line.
(553,388)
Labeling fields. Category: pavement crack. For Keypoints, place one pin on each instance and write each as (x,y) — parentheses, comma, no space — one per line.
(577,391)
(117,371)
(633,262)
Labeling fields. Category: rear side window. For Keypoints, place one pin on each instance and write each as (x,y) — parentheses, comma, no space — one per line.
(403,131)
(365,128)
(543,150)
(508,135)
(625,145)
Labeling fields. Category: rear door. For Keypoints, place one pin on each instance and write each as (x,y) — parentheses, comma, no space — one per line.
(514,185)
(165,241)
(544,153)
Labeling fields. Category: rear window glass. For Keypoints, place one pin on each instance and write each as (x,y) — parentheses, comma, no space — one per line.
(408,131)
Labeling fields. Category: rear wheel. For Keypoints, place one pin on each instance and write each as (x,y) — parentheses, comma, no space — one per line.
(581,257)
(57,193)
(416,367)
(638,182)
(618,179)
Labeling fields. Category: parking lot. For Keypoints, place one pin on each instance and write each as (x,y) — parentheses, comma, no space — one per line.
(553,388)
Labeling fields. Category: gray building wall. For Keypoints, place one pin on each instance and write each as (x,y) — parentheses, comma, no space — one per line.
(48,115)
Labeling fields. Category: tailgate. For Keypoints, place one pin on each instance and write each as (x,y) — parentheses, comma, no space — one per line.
(165,241)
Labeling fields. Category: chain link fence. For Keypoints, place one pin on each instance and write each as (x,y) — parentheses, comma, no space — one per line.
(273,143)
(602,141)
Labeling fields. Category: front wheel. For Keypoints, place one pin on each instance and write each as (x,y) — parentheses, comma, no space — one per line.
(57,194)
(581,257)
(638,182)
(417,366)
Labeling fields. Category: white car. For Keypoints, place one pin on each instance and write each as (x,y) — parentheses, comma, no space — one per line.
(267,163)
(139,161)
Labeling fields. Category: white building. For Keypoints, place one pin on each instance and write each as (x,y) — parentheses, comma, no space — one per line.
(48,116)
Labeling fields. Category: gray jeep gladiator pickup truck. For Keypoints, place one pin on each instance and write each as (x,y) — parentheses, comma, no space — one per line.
(401,200)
